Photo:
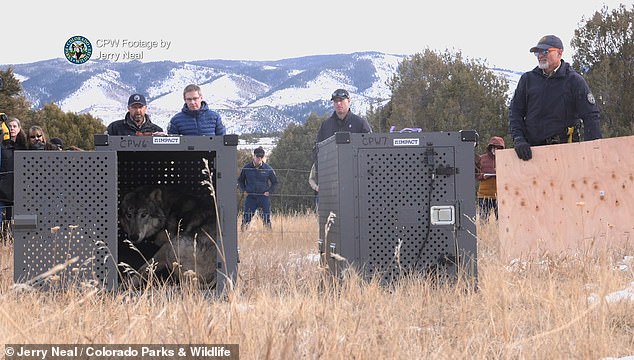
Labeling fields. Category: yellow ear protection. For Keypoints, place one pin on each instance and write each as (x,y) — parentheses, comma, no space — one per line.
(6,135)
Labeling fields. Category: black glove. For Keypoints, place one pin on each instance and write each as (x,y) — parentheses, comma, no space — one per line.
(523,149)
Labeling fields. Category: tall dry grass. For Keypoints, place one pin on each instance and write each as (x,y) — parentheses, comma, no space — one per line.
(284,307)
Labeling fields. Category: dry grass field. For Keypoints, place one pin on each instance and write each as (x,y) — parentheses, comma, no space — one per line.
(284,307)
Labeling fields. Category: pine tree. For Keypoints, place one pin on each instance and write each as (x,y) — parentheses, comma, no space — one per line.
(605,57)
(444,92)
(292,159)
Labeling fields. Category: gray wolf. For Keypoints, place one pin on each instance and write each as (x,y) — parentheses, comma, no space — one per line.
(181,226)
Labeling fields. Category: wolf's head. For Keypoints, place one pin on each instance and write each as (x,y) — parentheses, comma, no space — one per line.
(142,214)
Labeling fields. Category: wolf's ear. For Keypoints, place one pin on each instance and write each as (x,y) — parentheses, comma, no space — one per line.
(155,195)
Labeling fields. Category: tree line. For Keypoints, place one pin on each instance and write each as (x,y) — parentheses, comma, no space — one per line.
(431,90)
(74,129)
(443,91)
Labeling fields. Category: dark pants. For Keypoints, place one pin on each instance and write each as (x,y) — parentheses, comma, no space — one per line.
(251,204)
(6,210)
(6,213)
(486,206)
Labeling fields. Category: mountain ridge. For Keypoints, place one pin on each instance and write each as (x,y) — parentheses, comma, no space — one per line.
(251,96)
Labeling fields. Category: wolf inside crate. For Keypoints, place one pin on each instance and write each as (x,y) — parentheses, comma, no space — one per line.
(175,229)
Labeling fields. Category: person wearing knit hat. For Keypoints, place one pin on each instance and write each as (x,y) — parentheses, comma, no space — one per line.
(486,177)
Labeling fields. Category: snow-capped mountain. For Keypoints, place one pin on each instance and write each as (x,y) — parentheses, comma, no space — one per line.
(251,96)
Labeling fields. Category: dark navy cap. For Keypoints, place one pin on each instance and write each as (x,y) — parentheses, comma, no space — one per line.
(258,151)
(547,42)
(137,99)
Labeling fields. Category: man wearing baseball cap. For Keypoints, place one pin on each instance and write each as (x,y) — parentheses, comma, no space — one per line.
(258,181)
(342,119)
(136,121)
(552,103)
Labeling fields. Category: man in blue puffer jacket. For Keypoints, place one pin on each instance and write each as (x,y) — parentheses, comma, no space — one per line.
(196,118)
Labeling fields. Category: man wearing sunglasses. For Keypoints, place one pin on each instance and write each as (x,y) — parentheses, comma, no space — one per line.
(551,103)
(342,119)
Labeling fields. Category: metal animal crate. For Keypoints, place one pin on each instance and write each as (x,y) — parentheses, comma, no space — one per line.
(66,203)
(402,203)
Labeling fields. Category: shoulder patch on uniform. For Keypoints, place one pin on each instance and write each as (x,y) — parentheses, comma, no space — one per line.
(591,99)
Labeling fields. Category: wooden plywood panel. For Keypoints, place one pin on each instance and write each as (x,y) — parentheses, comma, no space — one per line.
(568,198)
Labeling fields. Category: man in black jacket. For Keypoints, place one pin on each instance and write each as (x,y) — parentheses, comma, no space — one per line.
(342,119)
(136,121)
(551,103)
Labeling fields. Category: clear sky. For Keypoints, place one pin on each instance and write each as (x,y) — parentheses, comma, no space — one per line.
(499,32)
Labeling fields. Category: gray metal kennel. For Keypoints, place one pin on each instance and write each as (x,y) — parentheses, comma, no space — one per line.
(66,203)
(402,203)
